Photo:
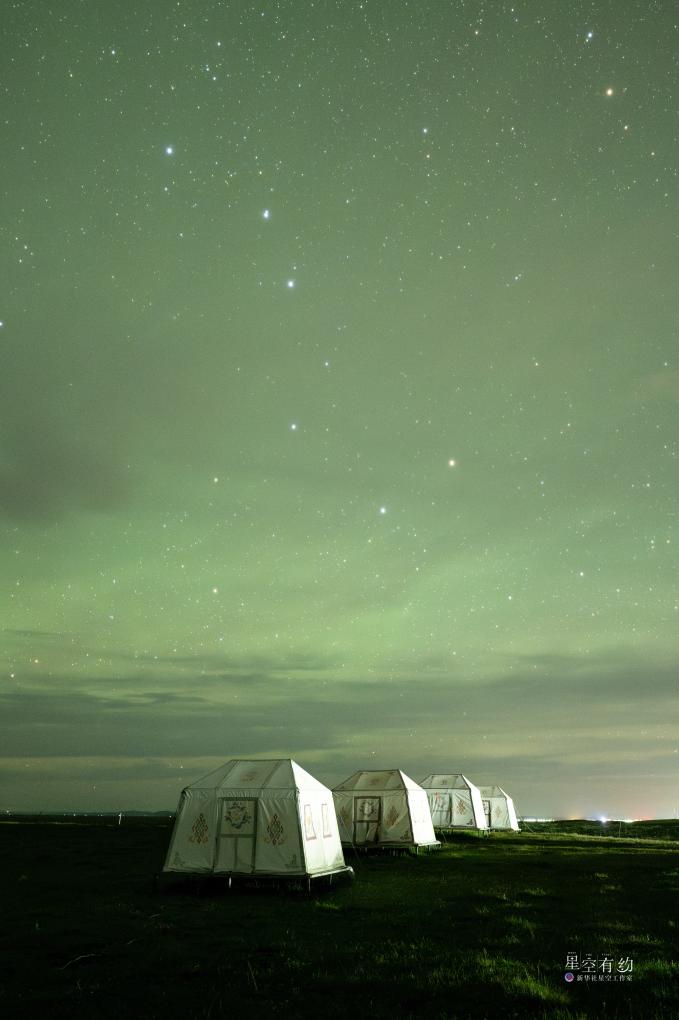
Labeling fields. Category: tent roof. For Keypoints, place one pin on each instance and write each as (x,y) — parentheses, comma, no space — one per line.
(493,791)
(257,774)
(451,781)
(372,780)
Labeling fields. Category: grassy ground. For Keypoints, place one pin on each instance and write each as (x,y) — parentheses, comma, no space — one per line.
(480,928)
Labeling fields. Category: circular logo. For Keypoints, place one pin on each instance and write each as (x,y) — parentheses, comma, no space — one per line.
(569,977)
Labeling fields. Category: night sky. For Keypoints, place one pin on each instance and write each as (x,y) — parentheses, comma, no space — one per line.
(339,397)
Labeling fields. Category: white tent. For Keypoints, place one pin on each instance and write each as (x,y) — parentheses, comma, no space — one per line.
(384,808)
(252,817)
(455,803)
(498,808)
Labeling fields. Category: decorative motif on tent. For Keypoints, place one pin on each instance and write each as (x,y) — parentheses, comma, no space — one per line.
(325,814)
(199,830)
(407,837)
(275,831)
(237,814)
(250,775)
(375,781)
(461,806)
(497,811)
(309,831)
(392,817)
(368,809)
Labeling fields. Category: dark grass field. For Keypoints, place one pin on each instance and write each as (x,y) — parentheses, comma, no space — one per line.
(480,928)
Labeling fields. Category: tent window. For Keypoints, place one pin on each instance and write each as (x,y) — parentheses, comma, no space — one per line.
(309,830)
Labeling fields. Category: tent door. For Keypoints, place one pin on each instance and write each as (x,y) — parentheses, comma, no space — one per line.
(367,813)
(441,807)
(237,834)
(486,811)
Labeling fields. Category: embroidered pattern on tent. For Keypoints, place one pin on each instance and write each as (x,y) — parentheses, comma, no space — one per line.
(368,810)
(327,831)
(250,775)
(237,815)
(275,831)
(392,817)
(199,830)
(461,806)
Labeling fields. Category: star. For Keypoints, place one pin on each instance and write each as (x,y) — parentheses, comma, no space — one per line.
(266,215)
(290,284)
(451,462)
(169,150)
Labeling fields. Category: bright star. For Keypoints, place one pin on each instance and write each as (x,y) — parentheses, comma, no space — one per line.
(169,150)
(383,509)
(290,284)
(452,462)
(266,214)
